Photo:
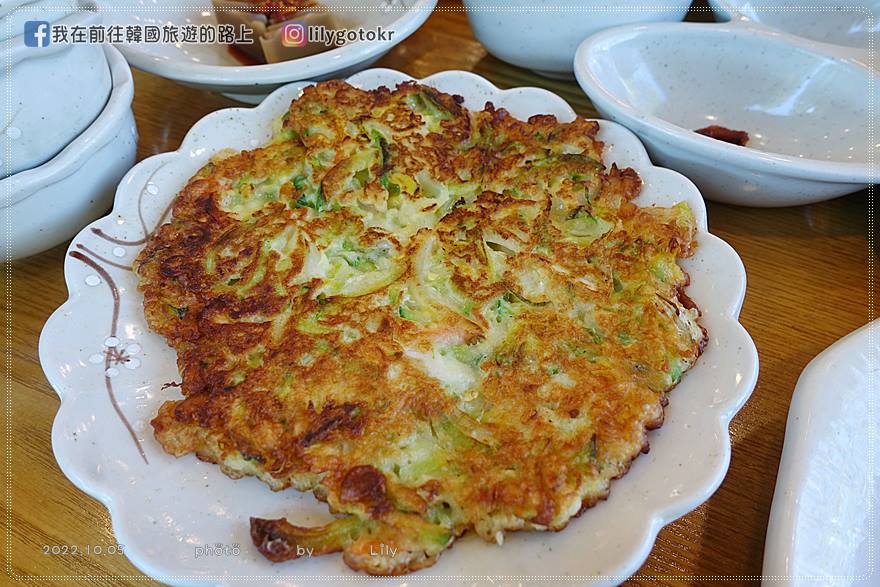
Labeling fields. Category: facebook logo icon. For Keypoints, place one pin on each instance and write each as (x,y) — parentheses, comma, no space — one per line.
(36,33)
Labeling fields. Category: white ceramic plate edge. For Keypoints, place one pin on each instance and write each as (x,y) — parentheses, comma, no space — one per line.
(313,66)
(725,325)
(804,426)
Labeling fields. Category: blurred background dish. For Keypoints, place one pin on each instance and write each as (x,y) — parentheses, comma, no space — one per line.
(805,112)
(52,202)
(214,67)
(266,24)
(844,28)
(57,92)
(543,35)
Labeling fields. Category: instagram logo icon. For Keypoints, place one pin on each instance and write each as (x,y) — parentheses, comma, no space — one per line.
(293,34)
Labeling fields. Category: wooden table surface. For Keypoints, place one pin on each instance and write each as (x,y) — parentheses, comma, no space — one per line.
(808,286)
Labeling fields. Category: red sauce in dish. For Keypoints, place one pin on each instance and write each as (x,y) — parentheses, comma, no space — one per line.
(736,137)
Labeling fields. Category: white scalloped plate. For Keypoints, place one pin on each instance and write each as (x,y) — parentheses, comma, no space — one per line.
(825,516)
(163,508)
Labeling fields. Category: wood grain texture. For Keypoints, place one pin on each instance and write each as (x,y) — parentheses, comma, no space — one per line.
(808,286)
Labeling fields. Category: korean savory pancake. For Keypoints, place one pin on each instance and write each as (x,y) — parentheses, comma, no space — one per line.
(435,319)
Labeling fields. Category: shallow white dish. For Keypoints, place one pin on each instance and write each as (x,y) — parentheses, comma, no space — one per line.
(49,204)
(843,30)
(163,509)
(212,67)
(55,92)
(806,112)
(543,35)
(825,517)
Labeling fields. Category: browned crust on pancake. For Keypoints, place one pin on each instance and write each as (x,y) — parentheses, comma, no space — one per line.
(435,319)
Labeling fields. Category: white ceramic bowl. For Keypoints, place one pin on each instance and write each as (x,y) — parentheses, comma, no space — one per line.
(162,507)
(806,113)
(543,35)
(47,205)
(843,29)
(57,92)
(14,13)
(213,67)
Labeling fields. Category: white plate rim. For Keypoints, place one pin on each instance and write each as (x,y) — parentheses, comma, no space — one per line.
(312,66)
(858,351)
(728,305)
